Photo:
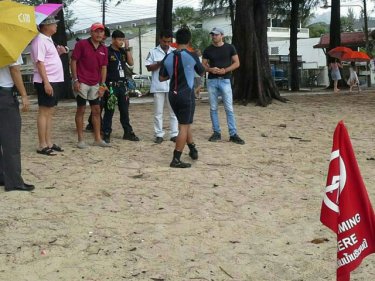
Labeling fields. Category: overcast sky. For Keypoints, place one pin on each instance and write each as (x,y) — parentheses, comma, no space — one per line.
(89,11)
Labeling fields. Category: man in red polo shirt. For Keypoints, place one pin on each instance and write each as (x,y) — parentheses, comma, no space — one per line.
(89,71)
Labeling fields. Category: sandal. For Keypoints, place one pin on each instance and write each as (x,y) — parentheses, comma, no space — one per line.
(55,147)
(46,151)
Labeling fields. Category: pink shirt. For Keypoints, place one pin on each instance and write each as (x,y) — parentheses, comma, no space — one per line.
(43,49)
(90,61)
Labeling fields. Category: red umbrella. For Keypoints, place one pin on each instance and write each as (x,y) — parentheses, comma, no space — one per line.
(339,51)
(355,56)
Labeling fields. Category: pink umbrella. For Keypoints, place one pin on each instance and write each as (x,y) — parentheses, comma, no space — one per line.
(43,11)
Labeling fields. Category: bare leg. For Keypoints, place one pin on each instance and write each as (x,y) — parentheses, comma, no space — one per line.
(42,121)
(51,111)
(335,89)
(95,110)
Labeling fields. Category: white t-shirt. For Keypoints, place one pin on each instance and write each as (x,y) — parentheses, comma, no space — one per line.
(6,80)
(157,54)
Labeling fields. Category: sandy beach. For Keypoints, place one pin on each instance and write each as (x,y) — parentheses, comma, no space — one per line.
(242,212)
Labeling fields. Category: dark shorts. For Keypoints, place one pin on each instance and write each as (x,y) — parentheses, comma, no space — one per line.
(82,102)
(183,105)
(43,98)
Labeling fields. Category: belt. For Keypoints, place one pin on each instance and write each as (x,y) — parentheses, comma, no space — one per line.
(117,83)
(6,89)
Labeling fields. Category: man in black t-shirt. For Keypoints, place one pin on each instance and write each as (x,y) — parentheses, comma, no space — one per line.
(118,72)
(219,60)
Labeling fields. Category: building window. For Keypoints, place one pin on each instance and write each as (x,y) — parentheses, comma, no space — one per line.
(274,50)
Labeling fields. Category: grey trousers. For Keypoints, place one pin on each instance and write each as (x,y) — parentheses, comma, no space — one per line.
(10,139)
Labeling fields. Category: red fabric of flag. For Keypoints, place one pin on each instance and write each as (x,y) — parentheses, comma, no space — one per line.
(346,208)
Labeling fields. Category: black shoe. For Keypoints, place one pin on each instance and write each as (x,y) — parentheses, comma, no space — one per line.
(2,183)
(215,137)
(131,137)
(173,139)
(193,153)
(236,139)
(89,127)
(107,138)
(178,164)
(158,140)
(24,187)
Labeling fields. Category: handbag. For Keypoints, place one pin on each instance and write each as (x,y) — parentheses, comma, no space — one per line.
(130,83)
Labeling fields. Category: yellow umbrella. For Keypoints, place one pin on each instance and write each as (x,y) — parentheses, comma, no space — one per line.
(17,29)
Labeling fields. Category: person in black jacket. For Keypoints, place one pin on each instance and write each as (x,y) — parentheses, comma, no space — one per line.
(118,74)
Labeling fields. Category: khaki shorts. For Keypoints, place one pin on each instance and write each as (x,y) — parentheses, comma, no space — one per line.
(88,92)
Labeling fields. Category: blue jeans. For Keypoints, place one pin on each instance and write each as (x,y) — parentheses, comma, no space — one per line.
(223,88)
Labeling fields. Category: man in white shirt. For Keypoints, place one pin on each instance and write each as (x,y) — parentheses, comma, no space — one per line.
(10,130)
(160,89)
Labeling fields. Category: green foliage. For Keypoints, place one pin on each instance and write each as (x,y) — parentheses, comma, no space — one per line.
(318,29)
(200,39)
(281,10)
(184,17)
(347,23)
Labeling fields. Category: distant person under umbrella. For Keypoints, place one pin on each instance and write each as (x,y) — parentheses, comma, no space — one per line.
(335,66)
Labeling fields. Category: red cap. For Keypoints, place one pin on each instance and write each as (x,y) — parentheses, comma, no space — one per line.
(96,26)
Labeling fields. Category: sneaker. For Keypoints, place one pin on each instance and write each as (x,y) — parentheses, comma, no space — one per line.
(131,137)
(158,140)
(193,153)
(178,164)
(89,127)
(101,143)
(215,137)
(82,145)
(107,138)
(236,139)
(173,139)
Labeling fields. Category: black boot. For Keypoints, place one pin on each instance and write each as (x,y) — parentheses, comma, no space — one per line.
(107,138)
(193,151)
(176,162)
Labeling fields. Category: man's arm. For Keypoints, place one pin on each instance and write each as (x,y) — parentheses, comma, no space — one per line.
(153,65)
(129,56)
(103,74)
(163,78)
(73,69)
(235,64)
(42,71)
(163,73)
(213,70)
(15,72)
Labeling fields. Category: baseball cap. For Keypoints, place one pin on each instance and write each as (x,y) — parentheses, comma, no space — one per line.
(217,30)
(49,20)
(96,26)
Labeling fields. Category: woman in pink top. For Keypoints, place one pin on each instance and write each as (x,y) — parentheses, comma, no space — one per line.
(48,75)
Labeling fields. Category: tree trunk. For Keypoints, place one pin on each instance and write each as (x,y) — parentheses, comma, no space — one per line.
(334,36)
(253,80)
(294,19)
(163,17)
(335,26)
(60,39)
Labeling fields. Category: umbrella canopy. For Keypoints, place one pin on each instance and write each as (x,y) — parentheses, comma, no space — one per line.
(43,11)
(17,29)
(339,51)
(355,56)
